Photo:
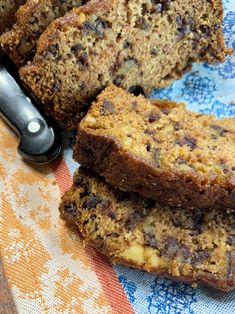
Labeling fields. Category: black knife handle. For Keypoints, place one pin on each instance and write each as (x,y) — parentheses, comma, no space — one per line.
(39,139)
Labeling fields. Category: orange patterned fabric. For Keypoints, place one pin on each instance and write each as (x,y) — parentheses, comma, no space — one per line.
(48,269)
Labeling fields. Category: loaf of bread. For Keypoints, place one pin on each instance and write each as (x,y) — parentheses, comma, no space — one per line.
(7,13)
(159,149)
(32,19)
(193,246)
(142,43)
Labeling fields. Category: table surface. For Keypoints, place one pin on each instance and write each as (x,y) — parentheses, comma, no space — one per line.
(7,303)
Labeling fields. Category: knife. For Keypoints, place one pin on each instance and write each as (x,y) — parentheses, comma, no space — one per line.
(40,140)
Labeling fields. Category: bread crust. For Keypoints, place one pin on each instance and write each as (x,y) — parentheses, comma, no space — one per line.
(103,220)
(129,168)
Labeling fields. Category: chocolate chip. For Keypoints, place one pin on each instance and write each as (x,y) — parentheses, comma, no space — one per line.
(106,207)
(87,27)
(52,49)
(92,202)
(173,247)
(80,54)
(184,26)
(107,108)
(111,215)
(205,29)
(56,87)
(97,27)
(100,77)
(80,182)
(200,257)
(150,239)
(100,26)
(76,48)
(126,45)
(187,140)
(132,220)
(83,59)
(148,147)
(71,209)
(231,239)
(197,223)
(154,117)
(221,131)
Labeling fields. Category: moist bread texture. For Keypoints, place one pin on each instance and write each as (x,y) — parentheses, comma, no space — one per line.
(7,13)
(196,247)
(159,149)
(135,43)
(32,19)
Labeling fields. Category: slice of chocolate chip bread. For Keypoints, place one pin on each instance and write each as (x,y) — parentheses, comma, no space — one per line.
(172,242)
(159,149)
(32,19)
(7,13)
(131,43)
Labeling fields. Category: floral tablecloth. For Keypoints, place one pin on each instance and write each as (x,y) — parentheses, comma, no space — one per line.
(47,267)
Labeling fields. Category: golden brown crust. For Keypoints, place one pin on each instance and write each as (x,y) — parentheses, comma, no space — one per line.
(159,149)
(171,242)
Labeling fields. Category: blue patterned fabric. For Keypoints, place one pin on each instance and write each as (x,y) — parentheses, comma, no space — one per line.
(207,89)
